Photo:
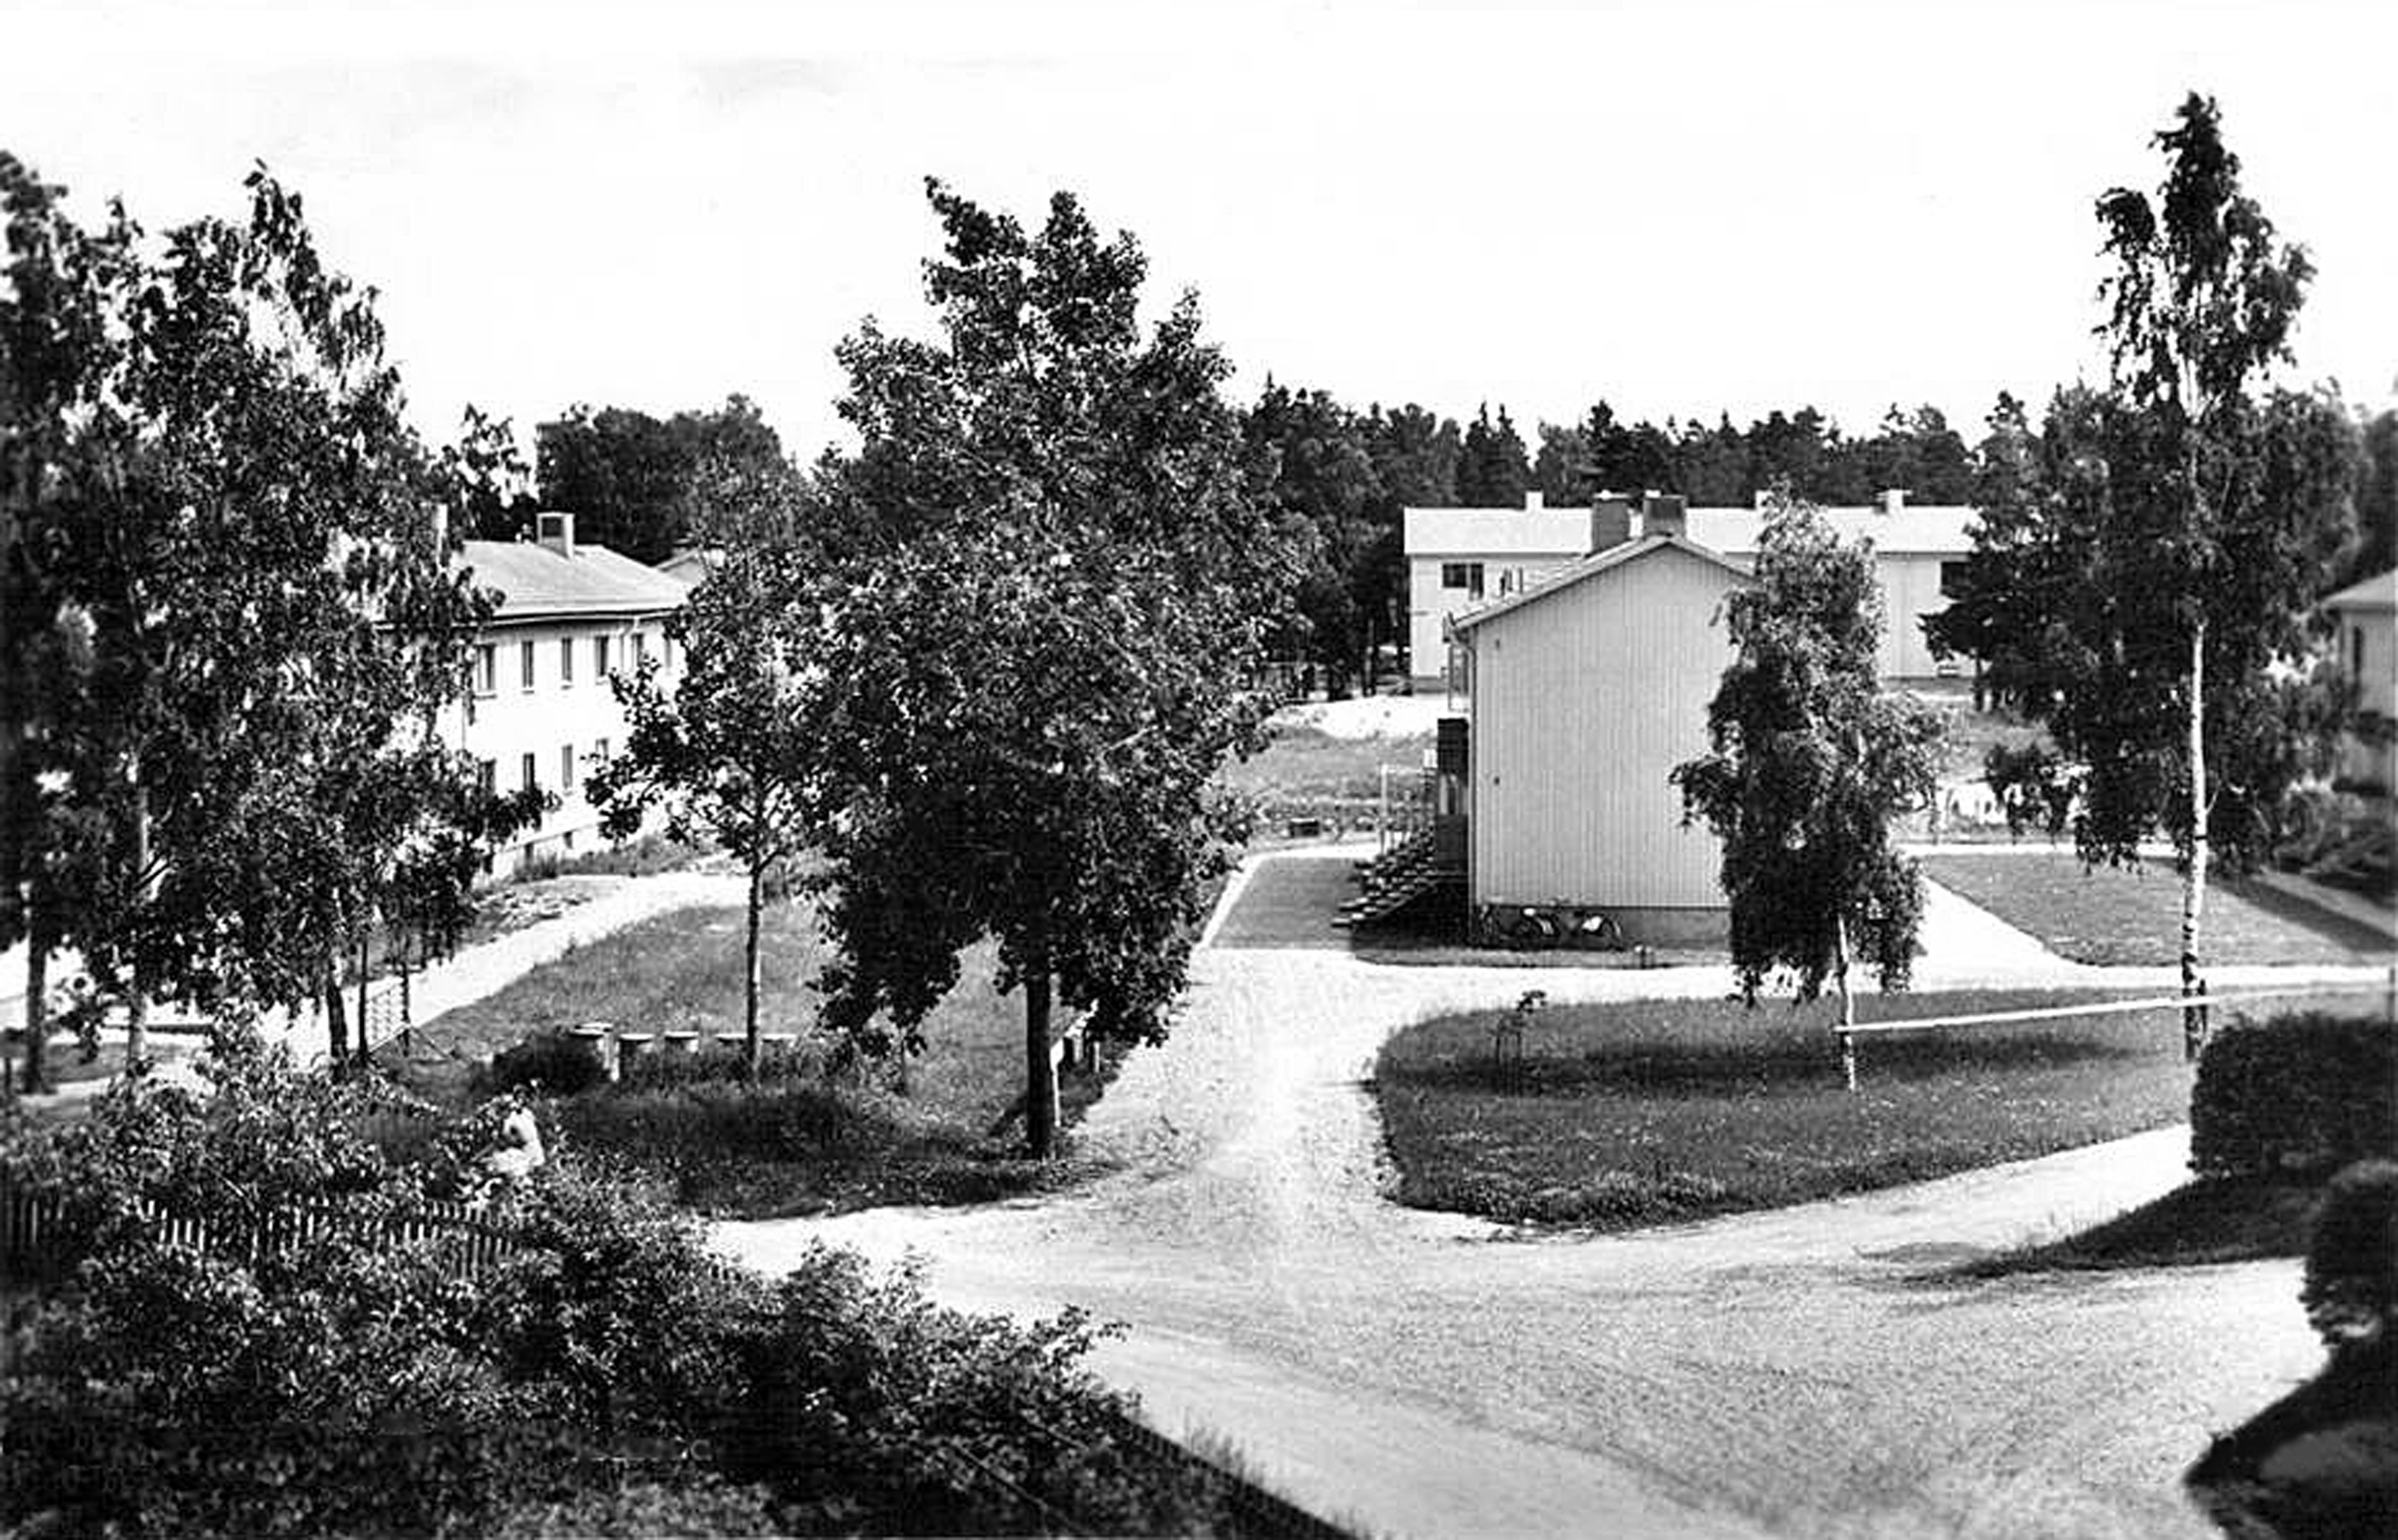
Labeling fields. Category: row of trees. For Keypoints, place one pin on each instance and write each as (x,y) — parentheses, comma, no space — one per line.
(226,618)
(2142,584)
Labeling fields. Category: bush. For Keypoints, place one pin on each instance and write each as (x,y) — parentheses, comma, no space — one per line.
(2351,1287)
(549,1062)
(2294,1094)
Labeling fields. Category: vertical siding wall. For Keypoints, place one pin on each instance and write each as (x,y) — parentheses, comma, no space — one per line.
(1910,590)
(1583,703)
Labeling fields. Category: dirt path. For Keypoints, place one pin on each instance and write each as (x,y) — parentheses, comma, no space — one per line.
(1805,1372)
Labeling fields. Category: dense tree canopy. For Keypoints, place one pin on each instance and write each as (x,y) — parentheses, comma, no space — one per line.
(229,615)
(2147,565)
(1808,763)
(1041,646)
(634,481)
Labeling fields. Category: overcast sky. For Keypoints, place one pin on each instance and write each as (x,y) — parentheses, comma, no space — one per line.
(1683,209)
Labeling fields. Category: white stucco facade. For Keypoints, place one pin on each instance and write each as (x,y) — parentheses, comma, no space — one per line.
(541,710)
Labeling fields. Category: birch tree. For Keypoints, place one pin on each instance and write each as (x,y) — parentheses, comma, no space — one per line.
(2136,586)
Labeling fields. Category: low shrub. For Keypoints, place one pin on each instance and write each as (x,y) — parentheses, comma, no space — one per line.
(607,1374)
(723,1061)
(2303,1092)
(2351,1280)
(549,1062)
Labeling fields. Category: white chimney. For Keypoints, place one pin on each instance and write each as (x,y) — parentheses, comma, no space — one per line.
(555,532)
(1893,501)
(1533,501)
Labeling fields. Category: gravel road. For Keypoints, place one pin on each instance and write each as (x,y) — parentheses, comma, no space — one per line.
(1807,1371)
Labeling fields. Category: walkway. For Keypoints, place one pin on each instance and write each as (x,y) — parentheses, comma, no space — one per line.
(1807,1372)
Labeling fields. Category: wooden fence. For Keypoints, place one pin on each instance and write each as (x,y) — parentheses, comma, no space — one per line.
(2193,1007)
(38,1236)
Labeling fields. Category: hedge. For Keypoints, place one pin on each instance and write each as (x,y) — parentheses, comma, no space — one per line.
(2302,1093)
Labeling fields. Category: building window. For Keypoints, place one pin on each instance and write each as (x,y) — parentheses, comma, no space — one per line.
(487,669)
(600,656)
(566,663)
(1952,578)
(486,775)
(524,659)
(532,773)
(1462,574)
(598,751)
(2356,653)
(566,769)
(641,647)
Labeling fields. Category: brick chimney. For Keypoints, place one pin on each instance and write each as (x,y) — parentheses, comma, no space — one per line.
(1611,521)
(555,532)
(1665,514)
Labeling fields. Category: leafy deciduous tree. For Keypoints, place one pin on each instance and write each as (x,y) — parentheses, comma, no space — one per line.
(1807,764)
(2139,576)
(1039,656)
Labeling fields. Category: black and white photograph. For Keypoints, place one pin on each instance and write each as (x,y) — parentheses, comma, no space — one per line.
(1367,769)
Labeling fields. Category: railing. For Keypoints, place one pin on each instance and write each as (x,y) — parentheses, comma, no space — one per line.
(35,1232)
(2194,1009)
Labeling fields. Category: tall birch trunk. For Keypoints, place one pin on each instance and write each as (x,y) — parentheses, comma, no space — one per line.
(753,1046)
(1040,1068)
(2194,887)
(136,1007)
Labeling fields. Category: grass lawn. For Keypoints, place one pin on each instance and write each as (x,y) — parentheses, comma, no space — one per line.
(1307,772)
(2134,914)
(1660,1111)
(796,1145)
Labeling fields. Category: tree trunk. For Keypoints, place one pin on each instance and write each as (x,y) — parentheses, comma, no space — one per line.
(37,1012)
(1040,1068)
(752,1047)
(2194,886)
(137,1008)
(366,1022)
(337,1020)
(1848,1000)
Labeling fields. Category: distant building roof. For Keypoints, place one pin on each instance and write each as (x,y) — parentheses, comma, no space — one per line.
(1497,531)
(2378,593)
(1590,567)
(1931,530)
(1944,529)
(692,562)
(537,580)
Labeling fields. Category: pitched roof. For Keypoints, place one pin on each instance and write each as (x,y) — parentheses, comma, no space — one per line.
(2375,593)
(1931,530)
(1926,530)
(535,581)
(1591,567)
(1496,532)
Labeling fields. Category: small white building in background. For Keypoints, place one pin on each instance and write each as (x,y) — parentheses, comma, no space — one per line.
(2365,619)
(541,711)
(1461,557)
(1584,693)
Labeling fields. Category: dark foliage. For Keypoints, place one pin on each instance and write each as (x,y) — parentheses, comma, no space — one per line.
(2301,1092)
(549,1062)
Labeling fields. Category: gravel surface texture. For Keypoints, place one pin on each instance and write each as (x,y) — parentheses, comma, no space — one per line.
(1810,1372)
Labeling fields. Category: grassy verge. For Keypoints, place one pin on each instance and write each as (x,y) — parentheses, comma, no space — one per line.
(1308,773)
(806,1144)
(1661,1111)
(2239,1219)
(2134,914)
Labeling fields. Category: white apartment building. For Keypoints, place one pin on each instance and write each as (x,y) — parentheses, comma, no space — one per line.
(1458,558)
(541,711)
